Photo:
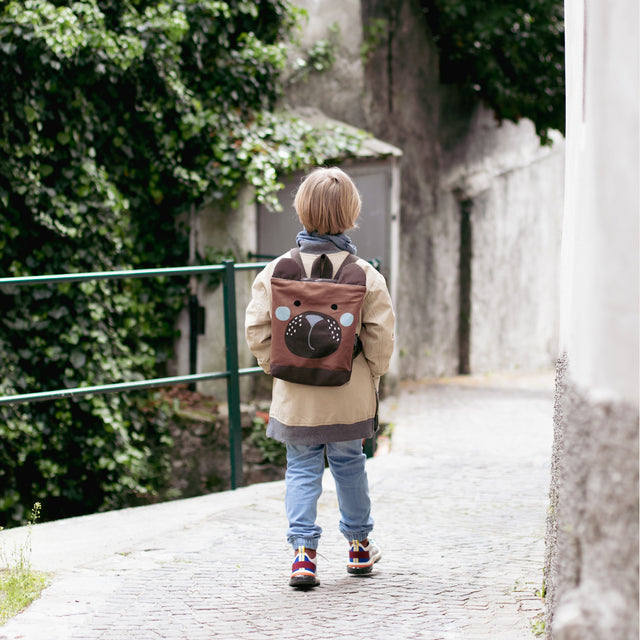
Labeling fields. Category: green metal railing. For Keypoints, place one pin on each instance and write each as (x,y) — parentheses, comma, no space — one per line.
(232,373)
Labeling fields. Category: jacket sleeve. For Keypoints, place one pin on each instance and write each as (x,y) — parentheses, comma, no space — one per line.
(258,321)
(378,325)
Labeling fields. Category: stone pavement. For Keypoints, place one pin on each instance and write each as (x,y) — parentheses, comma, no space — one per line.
(459,501)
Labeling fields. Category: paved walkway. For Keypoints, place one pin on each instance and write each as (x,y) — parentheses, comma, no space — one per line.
(460,505)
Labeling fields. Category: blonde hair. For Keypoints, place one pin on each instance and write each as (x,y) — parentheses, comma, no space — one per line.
(327,201)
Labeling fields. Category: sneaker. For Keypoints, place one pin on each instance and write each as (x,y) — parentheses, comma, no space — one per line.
(362,557)
(303,570)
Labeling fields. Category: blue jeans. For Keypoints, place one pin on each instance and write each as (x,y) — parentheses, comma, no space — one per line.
(305,467)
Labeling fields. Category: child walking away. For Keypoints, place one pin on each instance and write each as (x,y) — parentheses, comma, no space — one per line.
(321,322)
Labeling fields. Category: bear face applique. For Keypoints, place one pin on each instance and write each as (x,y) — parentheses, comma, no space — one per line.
(314,319)
(312,333)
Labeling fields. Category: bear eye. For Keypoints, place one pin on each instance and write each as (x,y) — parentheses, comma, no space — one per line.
(297,303)
(346,319)
(334,306)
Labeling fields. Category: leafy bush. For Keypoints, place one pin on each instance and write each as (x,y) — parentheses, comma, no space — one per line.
(272,451)
(117,119)
(507,53)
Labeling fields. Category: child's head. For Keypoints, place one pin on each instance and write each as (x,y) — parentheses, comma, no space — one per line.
(327,202)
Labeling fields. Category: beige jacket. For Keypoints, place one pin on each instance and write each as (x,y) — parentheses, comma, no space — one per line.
(305,414)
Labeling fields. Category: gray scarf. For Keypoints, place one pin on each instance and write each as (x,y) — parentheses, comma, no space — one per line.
(342,241)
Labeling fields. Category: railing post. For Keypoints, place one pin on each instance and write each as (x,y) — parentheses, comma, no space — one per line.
(233,381)
(193,335)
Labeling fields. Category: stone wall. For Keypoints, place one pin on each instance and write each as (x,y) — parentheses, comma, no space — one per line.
(514,196)
(457,161)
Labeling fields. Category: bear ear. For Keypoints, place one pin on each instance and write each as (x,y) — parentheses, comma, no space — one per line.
(353,274)
(288,269)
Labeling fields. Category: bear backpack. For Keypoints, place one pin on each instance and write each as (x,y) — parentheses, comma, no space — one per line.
(314,320)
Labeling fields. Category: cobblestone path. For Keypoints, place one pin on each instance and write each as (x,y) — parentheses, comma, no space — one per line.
(459,502)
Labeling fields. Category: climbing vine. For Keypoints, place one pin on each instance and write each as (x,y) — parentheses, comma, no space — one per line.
(117,117)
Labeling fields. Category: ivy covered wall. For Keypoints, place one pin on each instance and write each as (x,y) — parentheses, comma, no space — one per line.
(117,118)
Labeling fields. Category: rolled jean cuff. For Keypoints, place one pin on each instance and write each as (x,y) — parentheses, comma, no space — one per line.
(309,543)
(356,536)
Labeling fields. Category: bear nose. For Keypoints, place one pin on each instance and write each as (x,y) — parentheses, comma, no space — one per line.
(313,319)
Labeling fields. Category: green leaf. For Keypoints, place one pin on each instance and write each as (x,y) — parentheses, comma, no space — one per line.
(31,114)
(78,359)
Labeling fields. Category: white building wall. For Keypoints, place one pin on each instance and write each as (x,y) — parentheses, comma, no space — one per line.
(600,252)
(591,567)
